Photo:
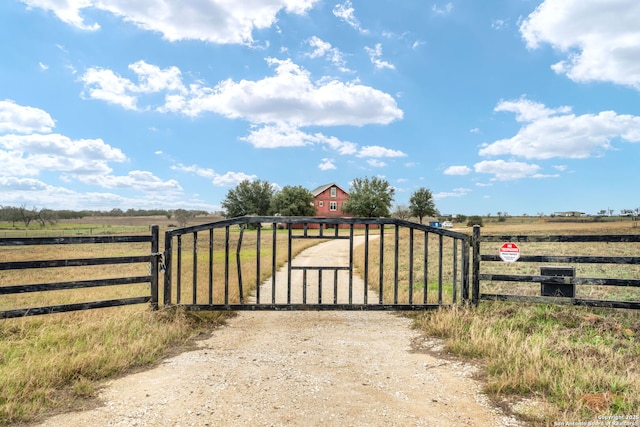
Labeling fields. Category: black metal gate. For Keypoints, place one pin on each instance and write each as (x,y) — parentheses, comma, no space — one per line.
(309,263)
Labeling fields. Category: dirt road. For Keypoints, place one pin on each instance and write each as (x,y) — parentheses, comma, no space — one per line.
(299,369)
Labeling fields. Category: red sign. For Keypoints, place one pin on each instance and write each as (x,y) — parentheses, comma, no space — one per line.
(509,252)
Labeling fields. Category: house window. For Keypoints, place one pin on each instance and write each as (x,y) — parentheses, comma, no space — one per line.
(333,206)
(333,192)
(321,204)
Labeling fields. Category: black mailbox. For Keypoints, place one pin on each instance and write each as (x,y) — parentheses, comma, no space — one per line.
(555,289)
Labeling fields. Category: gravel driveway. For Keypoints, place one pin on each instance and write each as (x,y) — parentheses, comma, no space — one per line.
(299,369)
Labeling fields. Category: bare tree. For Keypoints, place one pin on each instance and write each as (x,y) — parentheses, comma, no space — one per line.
(45,216)
(402,212)
(26,215)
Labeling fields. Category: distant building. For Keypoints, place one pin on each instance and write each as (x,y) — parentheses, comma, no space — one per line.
(569,213)
(328,200)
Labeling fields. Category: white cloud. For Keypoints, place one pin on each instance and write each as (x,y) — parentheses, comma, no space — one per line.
(23,119)
(228,179)
(323,49)
(550,133)
(457,192)
(194,169)
(529,111)
(377,151)
(499,24)
(443,10)
(327,164)
(33,192)
(376,163)
(283,135)
(215,21)
(601,39)
(43,67)
(346,12)
(290,96)
(136,180)
(85,160)
(506,171)
(106,85)
(231,179)
(457,170)
(375,54)
(22,155)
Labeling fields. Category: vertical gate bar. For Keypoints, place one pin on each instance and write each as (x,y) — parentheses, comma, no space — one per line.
(258,244)
(411,266)
(195,268)
(425,267)
(440,254)
(238,264)
(179,271)
(210,266)
(304,286)
(319,286)
(289,265)
(465,270)
(455,271)
(335,286)
(366,263)
(226,265)
(168,252)
(321,227)
(273,263)
(350,264)
(381,277)
(155,246)
(395,264)
(475,293)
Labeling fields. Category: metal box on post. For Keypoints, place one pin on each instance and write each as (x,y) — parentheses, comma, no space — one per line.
(555,289)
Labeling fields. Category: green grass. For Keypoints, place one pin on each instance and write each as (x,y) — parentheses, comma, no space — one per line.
(54,362)
(578,363)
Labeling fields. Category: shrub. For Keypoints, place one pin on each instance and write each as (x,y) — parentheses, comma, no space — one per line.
(474,220)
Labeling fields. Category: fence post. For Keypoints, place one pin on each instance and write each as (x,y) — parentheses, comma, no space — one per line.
(168,249)
(476,265)
(155,244)
(465,268)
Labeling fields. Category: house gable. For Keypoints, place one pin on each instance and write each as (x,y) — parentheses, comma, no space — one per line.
(328,200)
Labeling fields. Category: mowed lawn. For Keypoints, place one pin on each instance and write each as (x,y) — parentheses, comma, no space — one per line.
(564,363)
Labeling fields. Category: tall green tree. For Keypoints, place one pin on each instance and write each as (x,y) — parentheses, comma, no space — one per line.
(369,198)
(293,201)
(421,204)
(248,198)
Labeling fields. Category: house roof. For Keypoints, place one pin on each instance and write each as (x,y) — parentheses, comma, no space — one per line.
(322,188)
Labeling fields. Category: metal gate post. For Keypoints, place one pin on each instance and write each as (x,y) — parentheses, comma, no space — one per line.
(168,250)
(475,242)
(155,244)
(465,270)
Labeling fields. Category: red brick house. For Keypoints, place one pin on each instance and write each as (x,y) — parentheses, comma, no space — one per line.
(328,200)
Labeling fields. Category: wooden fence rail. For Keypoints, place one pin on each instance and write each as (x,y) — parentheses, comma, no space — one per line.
(152,278)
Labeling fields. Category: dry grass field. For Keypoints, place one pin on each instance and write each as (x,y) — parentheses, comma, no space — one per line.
(553,364)
(572,363)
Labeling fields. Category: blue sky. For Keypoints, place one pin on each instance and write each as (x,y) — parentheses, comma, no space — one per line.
(517,106)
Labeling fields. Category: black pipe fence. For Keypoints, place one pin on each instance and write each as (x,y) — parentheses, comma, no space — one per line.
(152,259)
